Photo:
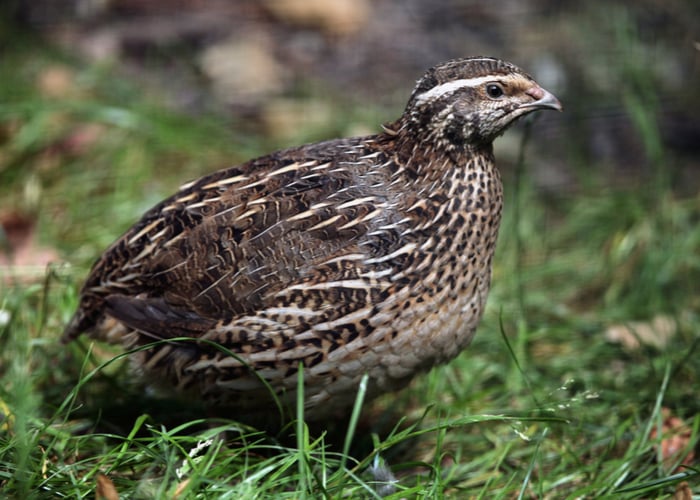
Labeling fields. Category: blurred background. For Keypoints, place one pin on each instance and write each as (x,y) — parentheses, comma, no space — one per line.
(107,106)
(299,69)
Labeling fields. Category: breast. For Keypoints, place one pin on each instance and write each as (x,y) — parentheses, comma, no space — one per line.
(440,294)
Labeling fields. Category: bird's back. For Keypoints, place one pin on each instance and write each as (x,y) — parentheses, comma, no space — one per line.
(359,256)
(321,254)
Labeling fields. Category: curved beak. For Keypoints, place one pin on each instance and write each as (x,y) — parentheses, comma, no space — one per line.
(543,99)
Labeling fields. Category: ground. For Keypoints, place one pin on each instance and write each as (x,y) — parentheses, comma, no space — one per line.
(582,380)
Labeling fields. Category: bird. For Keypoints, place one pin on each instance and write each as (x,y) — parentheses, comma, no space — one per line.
(349,259)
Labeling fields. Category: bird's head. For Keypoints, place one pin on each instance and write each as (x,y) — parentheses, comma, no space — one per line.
(471,101)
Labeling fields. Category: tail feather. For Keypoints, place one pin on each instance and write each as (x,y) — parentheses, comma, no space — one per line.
(78,324)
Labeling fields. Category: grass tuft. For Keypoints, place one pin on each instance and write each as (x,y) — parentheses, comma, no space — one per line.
(543,404)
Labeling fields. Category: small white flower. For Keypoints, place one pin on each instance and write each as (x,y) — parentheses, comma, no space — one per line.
(193,453)
(4,317)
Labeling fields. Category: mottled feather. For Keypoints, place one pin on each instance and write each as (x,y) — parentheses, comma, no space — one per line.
(363,255)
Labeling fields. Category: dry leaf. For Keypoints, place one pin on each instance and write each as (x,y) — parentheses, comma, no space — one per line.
(675,439)
(235,62)
(683,492)
(339,17)
(56,82)
(77,141)
(105,489)
(180,488)
(285,117)
(20,256)
(632,334)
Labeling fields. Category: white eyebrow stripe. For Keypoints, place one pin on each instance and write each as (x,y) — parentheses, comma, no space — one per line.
(454,85)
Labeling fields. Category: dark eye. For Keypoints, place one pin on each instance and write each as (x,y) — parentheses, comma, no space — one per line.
(494,90)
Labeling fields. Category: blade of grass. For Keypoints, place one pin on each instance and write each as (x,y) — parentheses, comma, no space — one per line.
(514,357)
(531,467)
(354,418)
(302,435)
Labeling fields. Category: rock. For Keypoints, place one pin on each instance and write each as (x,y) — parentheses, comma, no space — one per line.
(335,17)
(285,118)
(243,69)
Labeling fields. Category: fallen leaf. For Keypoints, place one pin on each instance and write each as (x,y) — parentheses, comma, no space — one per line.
(21,258)
(105,489)
(339,17)
(180,488)
(235,62)
(683,492)
(285,117)
(56,82)
(79,140)
(675,439)
(633,334)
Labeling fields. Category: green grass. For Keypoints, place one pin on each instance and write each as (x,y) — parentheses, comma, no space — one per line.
(540,406)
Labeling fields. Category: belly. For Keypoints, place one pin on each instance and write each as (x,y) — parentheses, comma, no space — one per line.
(412,334)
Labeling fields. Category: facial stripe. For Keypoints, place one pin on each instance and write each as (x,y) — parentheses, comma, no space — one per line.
(451,87)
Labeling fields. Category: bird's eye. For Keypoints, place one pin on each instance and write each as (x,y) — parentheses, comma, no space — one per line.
(494,90)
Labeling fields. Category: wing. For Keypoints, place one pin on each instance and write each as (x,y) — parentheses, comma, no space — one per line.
(229,243)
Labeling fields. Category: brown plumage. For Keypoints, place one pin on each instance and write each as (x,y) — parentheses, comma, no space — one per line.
(362,255)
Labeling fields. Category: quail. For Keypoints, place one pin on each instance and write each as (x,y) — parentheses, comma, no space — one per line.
(367,255)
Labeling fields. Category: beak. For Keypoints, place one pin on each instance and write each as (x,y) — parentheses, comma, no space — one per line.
(543,99)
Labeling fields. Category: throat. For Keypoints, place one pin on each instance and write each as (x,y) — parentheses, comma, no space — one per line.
(429,162)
